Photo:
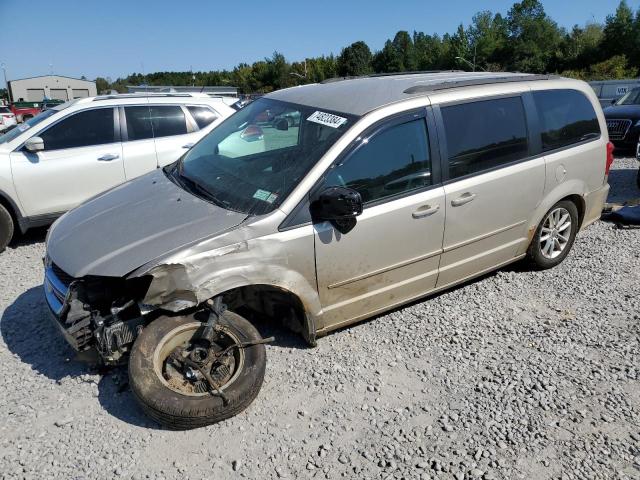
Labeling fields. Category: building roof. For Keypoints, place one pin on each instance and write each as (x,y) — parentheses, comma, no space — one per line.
(49,76)
(159,88)
(360,95)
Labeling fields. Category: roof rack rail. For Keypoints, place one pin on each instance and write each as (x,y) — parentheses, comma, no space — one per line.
(476,81)
(142,95)
(389,74)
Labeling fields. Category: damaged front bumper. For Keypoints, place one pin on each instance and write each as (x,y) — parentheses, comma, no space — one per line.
(56,293)
(94,313)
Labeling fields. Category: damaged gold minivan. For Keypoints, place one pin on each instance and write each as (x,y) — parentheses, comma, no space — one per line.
(318,206)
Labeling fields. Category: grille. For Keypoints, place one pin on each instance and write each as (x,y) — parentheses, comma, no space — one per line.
(618,128)
(62,276)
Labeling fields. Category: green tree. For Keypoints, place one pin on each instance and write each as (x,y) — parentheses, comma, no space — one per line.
(102,85)
(534,39)
(488,36)
(403,44)
(459,54)
(620,33)
(388,59)
(354,60)
(427,51)
(581,46)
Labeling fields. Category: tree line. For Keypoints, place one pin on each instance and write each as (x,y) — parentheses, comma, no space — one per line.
(525,39)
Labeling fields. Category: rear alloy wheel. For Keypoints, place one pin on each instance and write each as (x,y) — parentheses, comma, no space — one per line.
(184,381)
(6,228)
(555,235)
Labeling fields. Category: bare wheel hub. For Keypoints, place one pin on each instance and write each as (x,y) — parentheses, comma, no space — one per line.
(191,365)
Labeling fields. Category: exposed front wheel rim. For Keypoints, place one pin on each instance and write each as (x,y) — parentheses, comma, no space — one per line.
(184,336)
(555,233)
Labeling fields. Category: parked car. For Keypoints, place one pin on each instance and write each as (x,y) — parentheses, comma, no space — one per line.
(321,223)
(25,110)
(71,152)
(7,118)
(623,120)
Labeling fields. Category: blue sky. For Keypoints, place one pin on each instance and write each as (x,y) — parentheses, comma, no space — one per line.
(115,38)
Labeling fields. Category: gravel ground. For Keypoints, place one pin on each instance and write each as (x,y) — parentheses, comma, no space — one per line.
(517,375)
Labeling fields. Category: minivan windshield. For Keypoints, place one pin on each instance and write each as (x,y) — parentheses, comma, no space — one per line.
(630,98)
(23,127)
(255,158)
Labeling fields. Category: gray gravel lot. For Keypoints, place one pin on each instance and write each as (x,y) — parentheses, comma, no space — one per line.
(520,374)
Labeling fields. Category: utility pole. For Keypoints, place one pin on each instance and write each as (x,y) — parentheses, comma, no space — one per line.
(4,70)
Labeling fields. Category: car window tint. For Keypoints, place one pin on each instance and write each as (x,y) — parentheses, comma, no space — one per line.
(202,115)
(566,117)
(155,121)
(138,122)
(483,135)
(394,161)
(168,120)
(82,129)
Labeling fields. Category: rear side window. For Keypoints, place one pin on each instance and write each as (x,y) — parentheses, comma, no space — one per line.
(138,123)
(484,135)
(202,115)
(566,117)
(168,120)
(394,161)
(155,121)
(82,129)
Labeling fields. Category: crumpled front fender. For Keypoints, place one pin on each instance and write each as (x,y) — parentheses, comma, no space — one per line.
(284,260)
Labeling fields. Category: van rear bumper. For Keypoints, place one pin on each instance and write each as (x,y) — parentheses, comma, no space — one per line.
(594,203)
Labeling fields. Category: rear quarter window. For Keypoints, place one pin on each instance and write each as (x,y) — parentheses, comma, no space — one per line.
(566,117)
(483,135)
(202,115)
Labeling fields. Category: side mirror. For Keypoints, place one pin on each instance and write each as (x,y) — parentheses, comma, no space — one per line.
(340,205)
(34,144)
(282,124)
(252,133)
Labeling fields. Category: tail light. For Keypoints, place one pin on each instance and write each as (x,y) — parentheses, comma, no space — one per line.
(610,149)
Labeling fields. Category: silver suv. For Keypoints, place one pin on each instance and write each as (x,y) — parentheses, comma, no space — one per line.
(319,206)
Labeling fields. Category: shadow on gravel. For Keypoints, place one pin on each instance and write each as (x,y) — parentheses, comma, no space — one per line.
(35,235)
(30,334)
(623,182)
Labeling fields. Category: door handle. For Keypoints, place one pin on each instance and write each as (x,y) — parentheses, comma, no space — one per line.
(188,145)
(462,199)
(107,157)
(425,211)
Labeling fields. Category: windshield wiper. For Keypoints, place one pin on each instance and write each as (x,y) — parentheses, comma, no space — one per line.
(202,190)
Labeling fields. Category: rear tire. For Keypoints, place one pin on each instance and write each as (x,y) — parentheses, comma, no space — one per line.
(6,228)
(554,236)
(180,410)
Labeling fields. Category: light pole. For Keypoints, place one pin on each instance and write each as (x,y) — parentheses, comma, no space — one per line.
(473,65)
(4,71)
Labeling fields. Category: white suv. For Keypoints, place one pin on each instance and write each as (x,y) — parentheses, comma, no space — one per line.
(60,158)
(7,118)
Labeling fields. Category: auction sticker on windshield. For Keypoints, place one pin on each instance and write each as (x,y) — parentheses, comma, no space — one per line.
(265,196)
(328,119)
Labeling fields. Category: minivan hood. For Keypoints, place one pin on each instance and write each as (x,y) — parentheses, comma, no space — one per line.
(631,112)
(130,225)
